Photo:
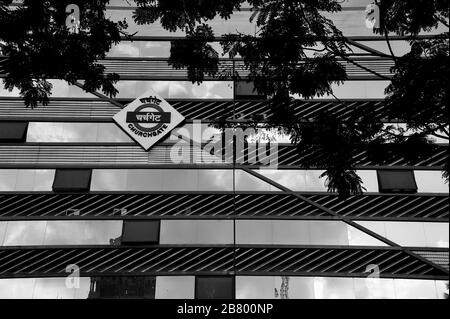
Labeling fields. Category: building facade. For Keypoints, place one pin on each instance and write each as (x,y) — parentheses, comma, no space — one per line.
(85,212)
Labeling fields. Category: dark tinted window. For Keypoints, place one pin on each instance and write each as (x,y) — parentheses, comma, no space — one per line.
(72,180)
(122,287)
(13,131)
(393,181)
(246,90)
(140,231)
(214,287)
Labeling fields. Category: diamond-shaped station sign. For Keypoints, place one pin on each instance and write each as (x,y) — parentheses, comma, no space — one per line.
(148,118)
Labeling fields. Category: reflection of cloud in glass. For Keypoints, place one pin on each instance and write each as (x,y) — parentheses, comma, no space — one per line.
(247,287)
(125,49)
(196,232)
(430,182)
(296,180)
(175,287)
(374,288)
(215,179)
(107,179)
(8,179)
(25,233)
(17,288)
(415,289)
(31,233)
(411,234)
(333,288)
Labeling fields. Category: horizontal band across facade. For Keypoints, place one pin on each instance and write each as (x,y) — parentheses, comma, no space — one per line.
(206,110)
(220,206)
(52,261)
(40,155)
(159,69)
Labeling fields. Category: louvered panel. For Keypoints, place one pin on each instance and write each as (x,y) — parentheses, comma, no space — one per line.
(328,260)
(220,205)
(202,109)
(289,156)
(279,205)
(192,260)
(156,68)
(387,206)
(95,155)
(115,260)
(438,257)
(109,205)
(78,109)
(159,69)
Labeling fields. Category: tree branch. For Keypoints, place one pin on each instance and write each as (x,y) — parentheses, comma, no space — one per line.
(389,45)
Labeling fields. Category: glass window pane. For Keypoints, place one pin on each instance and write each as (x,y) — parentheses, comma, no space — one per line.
(175,287)
(64,232)
(397,181)
(374,288)
(62,132)
(182,179)
(176,89)
(16,288)
(406,233)
(56,232)
(25,179)
(109,180)
(255,287)
(375,226)
(140,231)
(196,232)
(88,288)
(22,233)
(247,182)
(214,287)
(296,180)
(442,289)
(430,182)
(144,180)
(136,287)
(103,232)
(110,132)
(369,179)
(356,90)
(289,232)
(334,288)
(254,232)
(72,180)
(328,233)
(13,132)
(357,237)
(43,179)
(162,179)
(3,226)
(53,288)
(215,180)
(75,132)
(238,22)
(8,179)
(270,287)
(301,232)
(415,289)
(436,234)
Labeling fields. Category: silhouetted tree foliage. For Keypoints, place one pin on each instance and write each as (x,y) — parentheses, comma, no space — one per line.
(197,56)
(291,54)
(295,50)
(38,47)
